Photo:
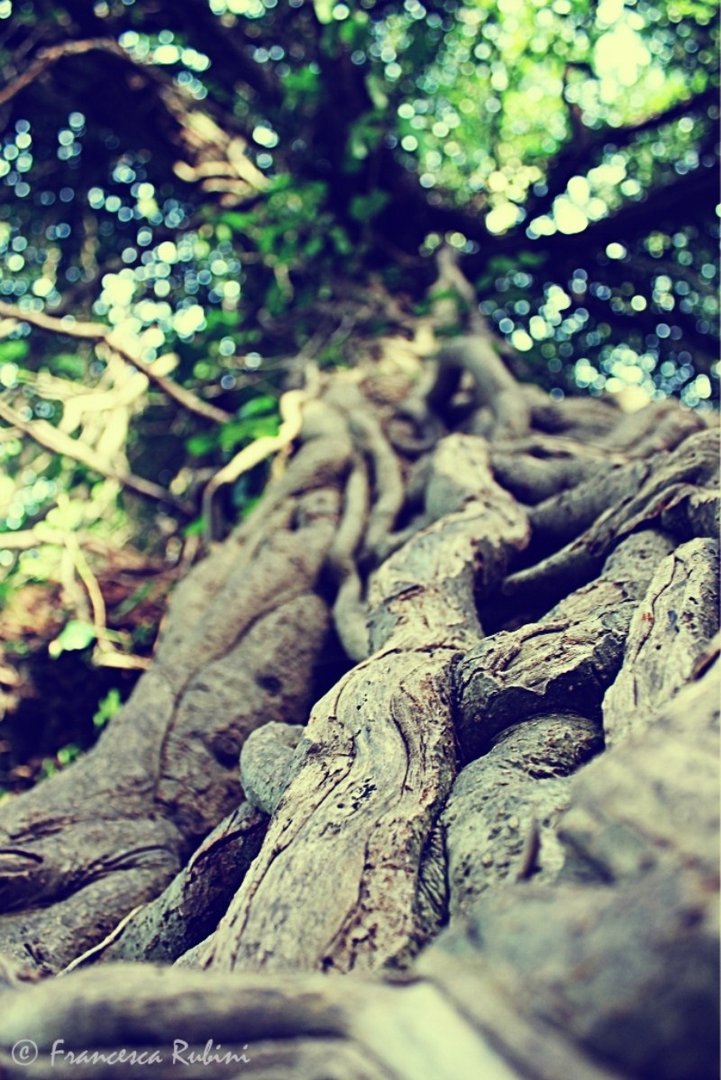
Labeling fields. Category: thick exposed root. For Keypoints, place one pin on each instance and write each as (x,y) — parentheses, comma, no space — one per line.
(520,745)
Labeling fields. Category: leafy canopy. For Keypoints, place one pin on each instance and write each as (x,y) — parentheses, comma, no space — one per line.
(220,181)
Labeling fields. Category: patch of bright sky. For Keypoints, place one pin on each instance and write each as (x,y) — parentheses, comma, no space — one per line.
(163,50)
(587,198)
(620,55)
(265,136)
(626,376)
(476,65)
(502,217)
(151,321)
(631,82)
(251,9)
(131,319)
(629,85)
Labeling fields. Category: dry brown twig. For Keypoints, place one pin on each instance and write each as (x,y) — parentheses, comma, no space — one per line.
(45,58)
(100,334)
(105,654)
(290,406)
(58,442)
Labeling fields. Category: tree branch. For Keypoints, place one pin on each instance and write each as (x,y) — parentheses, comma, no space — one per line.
(210,137)
(681,199)
(575,160)
(47,436)
(45,58)
(98,333)
(665,206)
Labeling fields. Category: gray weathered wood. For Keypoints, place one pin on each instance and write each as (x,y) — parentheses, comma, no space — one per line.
(567,659)
(670,630)
(502,814)
(447,777)
(354,833)
(189,909)
(266,763)
(80,852)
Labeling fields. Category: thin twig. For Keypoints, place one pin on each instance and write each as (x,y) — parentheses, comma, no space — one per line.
(290,406)
(97,950)
(97,332)
(47,57)
(86,575)
(58,442)
(104,654)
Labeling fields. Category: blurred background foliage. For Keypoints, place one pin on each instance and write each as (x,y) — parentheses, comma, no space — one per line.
(229,187)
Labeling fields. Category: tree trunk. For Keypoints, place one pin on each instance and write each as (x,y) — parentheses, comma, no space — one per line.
(466,650)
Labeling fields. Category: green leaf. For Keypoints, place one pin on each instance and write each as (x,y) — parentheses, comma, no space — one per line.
(258,406)
(247,505)
(70,364)
(284,181)
(365,207)
(65,756)
(341,240)
(264,425)
(199,445)
(195,528)
(68,754)
(238,222)
(75,636)
(313,247)
(220,320)
(235,432)
(107,708)
(247,430)
(13,351)
(376,91)
(301,81)
(531,258)
(358,146)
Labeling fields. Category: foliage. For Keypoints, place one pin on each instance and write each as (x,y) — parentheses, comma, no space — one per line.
(107,708)
(75,635)
(261,167)
(65,756)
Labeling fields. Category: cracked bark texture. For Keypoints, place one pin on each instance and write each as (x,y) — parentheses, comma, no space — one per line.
(422,782)
(82,850)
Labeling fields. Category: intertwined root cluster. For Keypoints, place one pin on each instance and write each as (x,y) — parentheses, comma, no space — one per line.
(451,599)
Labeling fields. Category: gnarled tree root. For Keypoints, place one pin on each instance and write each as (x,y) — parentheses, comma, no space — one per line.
(456,773)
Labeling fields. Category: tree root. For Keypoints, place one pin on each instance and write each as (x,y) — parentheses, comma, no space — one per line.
(377,760)
(670,631)
(574,877)
(502,814)
(678,490)
(563,662)
(95,841)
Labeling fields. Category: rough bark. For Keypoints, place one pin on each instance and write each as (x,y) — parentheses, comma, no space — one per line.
(422,781)
(378,754)
(81,851)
